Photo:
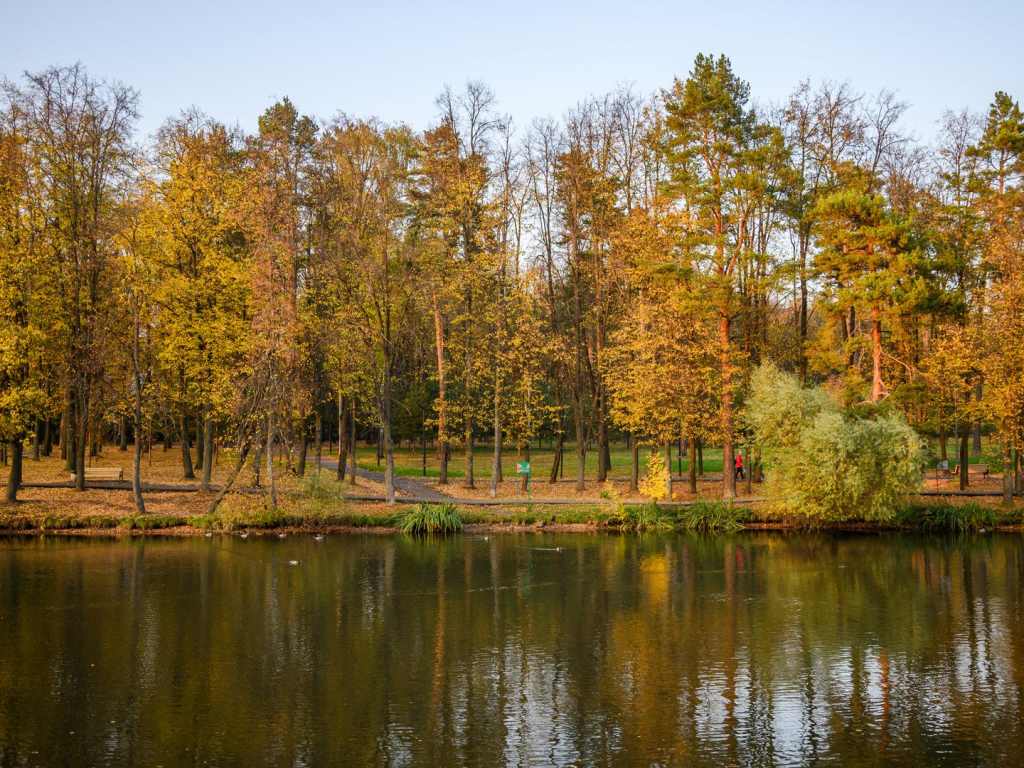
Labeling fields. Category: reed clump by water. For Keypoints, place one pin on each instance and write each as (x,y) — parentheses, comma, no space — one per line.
(712,516)
(646,518)
(429,518)
(698,516)
(947,516)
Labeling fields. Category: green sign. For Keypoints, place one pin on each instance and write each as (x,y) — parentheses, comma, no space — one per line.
(523,468)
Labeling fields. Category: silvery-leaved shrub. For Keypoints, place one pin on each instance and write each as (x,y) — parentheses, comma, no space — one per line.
(827,463)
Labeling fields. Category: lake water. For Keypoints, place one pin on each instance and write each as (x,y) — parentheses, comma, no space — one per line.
(517,649)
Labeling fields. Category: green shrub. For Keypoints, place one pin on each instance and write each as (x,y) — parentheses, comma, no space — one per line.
(778,409)
(429,518)
(828,464)
(649,517)
(711,516)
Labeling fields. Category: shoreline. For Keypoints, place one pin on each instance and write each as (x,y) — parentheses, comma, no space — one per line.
(589,519)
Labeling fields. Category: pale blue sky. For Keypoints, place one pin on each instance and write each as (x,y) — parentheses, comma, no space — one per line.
(390,59)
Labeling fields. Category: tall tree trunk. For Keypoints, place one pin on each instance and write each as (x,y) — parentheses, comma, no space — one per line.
(602,437)
(443,450)
(700,457)
(469,458)
(186,448)
(469,423)
(68,428)
(802,367)
(728,456)
(634,472)
(667,446)
(965,431)
(389,448)
(200,447)
(123,437)
(318,437)
(556,464)
(47,436)
(342,437)
(14,478)
(748,467)
(607,451)
(581,450)
(82,414)
(876,353)
(1007,472)
(300,467)
(352,438)
(976,444)
(37,439)
(942,443)
(496,461)
(270,460)
(693,465)
(140,504)
(207,451)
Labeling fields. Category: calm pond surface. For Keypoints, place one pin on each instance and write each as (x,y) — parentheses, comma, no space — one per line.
(518,649)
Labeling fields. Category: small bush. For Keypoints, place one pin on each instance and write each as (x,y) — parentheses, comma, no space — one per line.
(711,516)
(655,482)
(430,518)
(320,486)
(649,517)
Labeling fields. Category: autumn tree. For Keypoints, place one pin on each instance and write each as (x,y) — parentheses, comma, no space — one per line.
(82,129)
(23,298)
(376,265)
(202,280)
(713,139)
(999,179)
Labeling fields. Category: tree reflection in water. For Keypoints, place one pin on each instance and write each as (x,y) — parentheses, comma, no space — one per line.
(753,648)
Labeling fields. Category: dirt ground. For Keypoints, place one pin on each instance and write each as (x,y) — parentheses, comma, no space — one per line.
(710,487)
(159,468)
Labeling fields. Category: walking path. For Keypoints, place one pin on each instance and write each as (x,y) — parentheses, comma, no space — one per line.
(416,492)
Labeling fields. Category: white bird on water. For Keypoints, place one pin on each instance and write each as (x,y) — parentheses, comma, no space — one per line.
(209,535)
(281,535)
(319,537)
(293,562)
(245,535)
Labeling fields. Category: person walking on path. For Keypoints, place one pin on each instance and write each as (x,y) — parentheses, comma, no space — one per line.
(739,473)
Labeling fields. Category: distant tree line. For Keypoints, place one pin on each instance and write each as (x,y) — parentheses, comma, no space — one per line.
(619,273)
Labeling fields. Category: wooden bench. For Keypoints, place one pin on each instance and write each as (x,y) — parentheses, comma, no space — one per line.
(973,469)
(102,473)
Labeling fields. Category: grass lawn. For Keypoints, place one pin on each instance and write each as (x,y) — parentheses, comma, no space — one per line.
(409,462)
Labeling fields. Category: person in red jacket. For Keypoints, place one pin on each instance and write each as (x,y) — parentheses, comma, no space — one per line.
(739,473)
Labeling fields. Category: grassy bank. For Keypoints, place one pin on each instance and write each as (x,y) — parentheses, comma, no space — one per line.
(334,515)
